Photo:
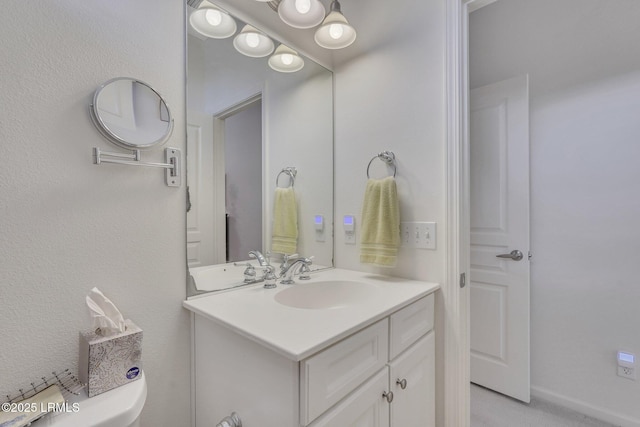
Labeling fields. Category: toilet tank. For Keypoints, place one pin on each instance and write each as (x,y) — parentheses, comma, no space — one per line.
(120,407)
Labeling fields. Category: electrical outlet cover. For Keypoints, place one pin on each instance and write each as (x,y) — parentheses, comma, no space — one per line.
(627,372)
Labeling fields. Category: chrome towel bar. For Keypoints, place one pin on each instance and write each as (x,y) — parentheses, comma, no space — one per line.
(291,172)
(386,156)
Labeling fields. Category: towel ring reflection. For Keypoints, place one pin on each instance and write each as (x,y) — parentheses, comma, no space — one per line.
(291,172)
(388,157)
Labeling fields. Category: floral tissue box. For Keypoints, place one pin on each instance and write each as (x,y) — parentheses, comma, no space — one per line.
(109,362)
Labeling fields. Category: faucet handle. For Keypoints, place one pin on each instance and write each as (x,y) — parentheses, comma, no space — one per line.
(249,272)
(269,277)
(305,269)
(304,272)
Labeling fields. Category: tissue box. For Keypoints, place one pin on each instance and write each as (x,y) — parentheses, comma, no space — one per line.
(109,362)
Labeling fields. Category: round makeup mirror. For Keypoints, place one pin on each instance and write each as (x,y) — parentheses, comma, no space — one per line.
(131,114)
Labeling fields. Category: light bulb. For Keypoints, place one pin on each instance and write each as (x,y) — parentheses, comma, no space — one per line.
(303,6)
(287,58)
(253,40)
(336,31)
(213,17)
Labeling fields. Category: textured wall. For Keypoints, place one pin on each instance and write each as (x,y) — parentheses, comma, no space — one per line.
(68,225)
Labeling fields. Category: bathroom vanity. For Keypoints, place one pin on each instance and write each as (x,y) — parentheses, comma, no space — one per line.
(344,348)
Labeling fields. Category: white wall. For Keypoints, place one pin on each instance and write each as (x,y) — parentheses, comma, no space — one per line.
(68,225)
(390,96)
(585,86)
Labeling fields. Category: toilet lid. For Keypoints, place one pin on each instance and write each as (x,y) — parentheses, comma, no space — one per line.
(115,408)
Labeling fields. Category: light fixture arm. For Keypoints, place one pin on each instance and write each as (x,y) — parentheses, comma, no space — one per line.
(274,4)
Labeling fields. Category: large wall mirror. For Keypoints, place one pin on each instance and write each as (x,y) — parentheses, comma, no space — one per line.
(246,124)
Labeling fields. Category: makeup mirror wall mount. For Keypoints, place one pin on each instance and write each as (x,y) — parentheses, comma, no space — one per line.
(132,115)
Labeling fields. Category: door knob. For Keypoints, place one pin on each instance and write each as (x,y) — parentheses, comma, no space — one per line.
(515,255)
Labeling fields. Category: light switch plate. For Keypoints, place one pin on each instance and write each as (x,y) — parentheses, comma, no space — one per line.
(420,235)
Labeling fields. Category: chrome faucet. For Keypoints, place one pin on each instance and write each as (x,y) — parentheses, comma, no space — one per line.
(261,258)
(289,265)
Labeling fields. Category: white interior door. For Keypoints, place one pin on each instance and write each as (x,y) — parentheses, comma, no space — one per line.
(200,228)
(499,277)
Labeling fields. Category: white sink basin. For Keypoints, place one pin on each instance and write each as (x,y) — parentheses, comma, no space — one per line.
(327,295)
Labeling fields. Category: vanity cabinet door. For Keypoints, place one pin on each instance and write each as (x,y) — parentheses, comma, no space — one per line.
(412,380)
(365,407)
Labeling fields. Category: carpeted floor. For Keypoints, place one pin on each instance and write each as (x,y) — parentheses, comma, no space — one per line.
(491,409)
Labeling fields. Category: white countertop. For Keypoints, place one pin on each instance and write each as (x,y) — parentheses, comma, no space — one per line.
(298,333)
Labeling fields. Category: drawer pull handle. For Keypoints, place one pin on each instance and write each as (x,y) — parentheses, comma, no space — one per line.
(388,396)
(402,383)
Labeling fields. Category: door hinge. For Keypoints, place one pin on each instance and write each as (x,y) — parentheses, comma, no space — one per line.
(463,280)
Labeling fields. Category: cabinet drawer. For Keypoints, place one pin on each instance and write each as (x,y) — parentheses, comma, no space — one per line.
(330,375)
(410,323)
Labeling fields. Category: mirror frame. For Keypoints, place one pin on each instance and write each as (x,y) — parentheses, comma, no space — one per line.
(116,139)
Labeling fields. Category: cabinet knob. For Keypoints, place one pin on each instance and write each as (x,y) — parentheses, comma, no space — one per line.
(388,396)
(402,383)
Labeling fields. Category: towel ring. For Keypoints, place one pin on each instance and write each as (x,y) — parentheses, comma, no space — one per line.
(388,157)
(291,172)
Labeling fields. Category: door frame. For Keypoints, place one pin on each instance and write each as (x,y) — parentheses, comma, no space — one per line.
(455,296)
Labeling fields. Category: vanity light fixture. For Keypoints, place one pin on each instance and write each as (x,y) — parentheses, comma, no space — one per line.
(335,31)
(212,22)
(253,43)
(301,13)
(286,60)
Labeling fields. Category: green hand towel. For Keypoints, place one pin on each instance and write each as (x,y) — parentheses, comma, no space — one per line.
(380,235)
(284,236)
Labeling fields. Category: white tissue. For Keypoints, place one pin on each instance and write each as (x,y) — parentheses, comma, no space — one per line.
(105,314)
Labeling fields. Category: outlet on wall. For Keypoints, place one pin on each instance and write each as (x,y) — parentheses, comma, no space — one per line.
(626,372)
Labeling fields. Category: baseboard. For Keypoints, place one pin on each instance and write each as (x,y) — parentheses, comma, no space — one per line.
(584,408)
